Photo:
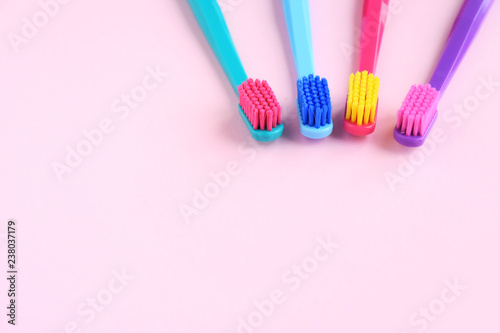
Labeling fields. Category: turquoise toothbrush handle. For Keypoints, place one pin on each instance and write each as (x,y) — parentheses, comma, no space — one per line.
(299,31)
(213,24)
(461,36)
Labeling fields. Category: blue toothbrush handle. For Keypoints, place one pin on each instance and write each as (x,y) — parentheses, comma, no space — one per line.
(298,22)
(213,24)
(462,34)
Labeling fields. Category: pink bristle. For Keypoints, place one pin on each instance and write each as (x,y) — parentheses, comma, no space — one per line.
(400,117)
(263,118)
(417,110)
(259,104)
(404,121)
(417,125)
(269,119)
(422,117)
(409,127)
(255,117)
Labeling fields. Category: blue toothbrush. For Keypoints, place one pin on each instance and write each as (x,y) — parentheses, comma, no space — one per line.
(313,95)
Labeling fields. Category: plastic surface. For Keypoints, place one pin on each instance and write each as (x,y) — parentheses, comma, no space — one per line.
(261,135)
(372,29)
(462,34)
(213,24)
(299,31)
(414,141)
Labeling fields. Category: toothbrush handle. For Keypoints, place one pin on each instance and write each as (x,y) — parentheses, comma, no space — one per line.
(462,34)
(372,30)
(299,31)
(213,24)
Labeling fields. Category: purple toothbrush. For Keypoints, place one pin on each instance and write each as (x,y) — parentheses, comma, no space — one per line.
(419,112)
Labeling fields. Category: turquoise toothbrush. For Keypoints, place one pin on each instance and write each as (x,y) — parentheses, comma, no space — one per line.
(258,107)
(313,96)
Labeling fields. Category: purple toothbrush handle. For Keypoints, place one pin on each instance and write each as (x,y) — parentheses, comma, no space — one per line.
(461,36)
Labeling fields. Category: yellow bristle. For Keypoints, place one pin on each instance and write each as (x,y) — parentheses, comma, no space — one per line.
(368,109)
(355,103)
(349,97)
(354,111)
(361,109)
(351,82)
(362,95)
(375,99)
(348,108)
(369,99)
(362,98)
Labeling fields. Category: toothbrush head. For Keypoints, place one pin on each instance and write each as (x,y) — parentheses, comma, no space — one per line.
(362,103)
(417,115)
(260,110)
(314,107)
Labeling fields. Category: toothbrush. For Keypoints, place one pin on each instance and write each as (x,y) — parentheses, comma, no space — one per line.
(258,106)
(418,113)
(313,96)
(362,99)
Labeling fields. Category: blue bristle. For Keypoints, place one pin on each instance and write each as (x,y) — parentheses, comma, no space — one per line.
(314,101)
(310,115)
(303,107)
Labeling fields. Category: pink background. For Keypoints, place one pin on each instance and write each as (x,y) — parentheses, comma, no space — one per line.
(120,208)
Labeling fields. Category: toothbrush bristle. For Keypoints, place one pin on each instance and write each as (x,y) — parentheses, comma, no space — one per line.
(260,105)
(362,98)
(417,110)
(314,101)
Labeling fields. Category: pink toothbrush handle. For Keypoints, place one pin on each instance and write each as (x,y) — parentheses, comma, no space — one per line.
(372,30)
